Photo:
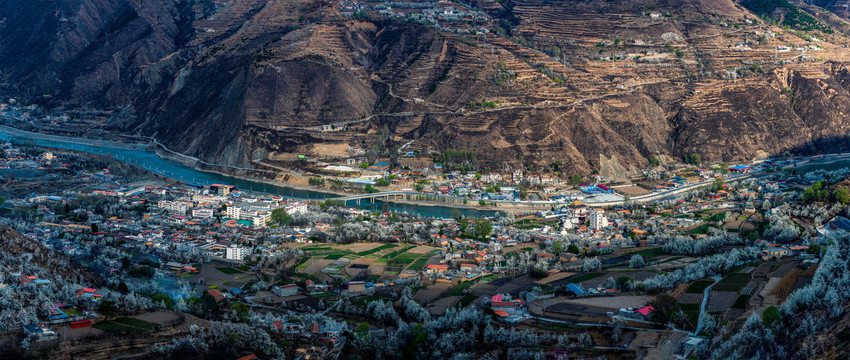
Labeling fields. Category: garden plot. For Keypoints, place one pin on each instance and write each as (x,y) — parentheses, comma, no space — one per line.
(336,267)
(721,300)
(315,266)
(613,302)
(732,282)
(689,298)
(432,292)
(439,307)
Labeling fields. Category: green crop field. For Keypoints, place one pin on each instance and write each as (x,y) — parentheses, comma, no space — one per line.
(741,302)
(377,249)
(698,286)
(732,282)
(585,277)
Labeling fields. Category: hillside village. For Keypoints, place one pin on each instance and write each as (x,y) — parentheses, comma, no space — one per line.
(188,251)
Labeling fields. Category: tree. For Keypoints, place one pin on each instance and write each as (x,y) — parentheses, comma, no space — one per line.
(572,248)
(558,246)
(665,306)
(382,182)
(362,330)
(280,217)
(106,307)
(241,310)
(523,192)
(364,165)
(575,179)
(122,287)
(637,261)
(653,161)
(624,283)
(841,195)
(770,316)
(94,228)
(592,264)
(162,299)
(718,183)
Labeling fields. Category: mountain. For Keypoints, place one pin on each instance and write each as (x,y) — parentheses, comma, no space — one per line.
(597,85)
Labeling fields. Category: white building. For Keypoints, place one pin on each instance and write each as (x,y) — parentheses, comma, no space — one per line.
(176,206)
(597,220)
(202,213)
(236,253)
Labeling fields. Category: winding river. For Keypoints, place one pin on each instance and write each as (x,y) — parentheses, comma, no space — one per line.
(173,170)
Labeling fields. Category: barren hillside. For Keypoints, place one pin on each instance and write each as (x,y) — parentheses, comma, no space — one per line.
(231,81)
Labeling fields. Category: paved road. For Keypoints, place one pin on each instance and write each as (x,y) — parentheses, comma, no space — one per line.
(73,140)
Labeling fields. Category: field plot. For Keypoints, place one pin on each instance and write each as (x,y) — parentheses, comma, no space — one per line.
(699,286)
(692,312)
(613,302)
(732,282)
(432,292)
(439,307)
(721,300)
(421,262)
(691,298)
(376,249)
(741,302)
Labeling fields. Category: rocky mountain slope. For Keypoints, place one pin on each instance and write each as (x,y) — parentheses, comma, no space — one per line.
(231,81)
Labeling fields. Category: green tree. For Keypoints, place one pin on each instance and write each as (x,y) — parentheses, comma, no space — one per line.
(770,316)
(718,183)
(106,307)
(523,192)
(382,182)
(362,330)
(280,217)
(94,228)
(122,287)
(653,161)
(164,299)
(241,310)
(557,246)
(483,227)
(841,196)
(572,248)
(575,179)
(482,202)
(665,306)
(364,165)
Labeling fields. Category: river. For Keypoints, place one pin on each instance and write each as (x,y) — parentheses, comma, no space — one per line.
(173,170)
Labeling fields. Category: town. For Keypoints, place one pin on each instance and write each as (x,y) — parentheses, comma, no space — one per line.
(96,247)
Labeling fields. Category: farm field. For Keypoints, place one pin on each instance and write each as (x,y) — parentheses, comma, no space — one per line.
(732,282)
(699,286)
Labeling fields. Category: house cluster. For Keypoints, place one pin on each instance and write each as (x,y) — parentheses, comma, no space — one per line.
(448,16)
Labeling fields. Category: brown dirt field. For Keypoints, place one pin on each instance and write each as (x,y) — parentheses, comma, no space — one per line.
(768,290)
(555,277)
(422,249)
(679,290)
(432,292)
(158,317)
(784,287)
(331,150)
(317,266)
(439,307)
(632,190)
(614,302)
(687,298)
